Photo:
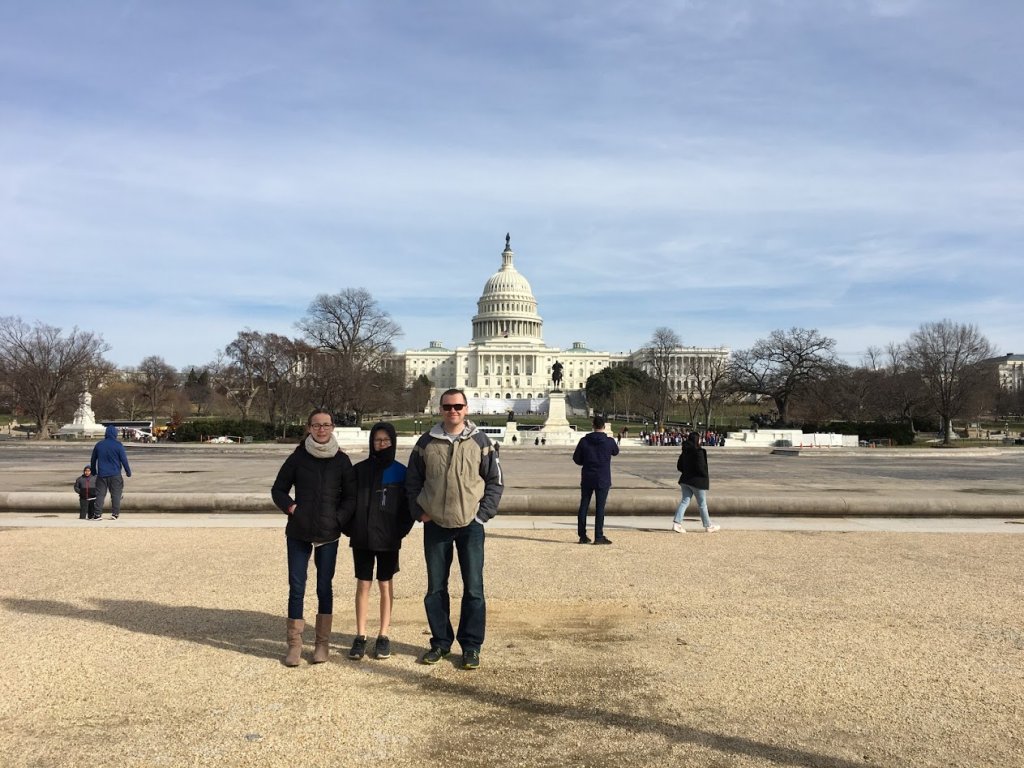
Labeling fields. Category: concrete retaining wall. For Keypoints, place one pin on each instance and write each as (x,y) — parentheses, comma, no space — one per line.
(656,503)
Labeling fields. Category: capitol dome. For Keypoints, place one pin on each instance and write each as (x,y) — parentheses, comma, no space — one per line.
(507,310)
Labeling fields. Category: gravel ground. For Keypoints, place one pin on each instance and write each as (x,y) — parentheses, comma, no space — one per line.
(152,647)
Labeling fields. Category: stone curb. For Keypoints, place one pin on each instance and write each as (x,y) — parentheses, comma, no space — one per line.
(567,503)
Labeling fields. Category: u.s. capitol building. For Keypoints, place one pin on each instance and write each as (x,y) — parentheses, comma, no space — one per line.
(508,367)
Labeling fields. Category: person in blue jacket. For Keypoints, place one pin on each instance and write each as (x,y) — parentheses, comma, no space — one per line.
(375,532)
(594,454)
(108,458)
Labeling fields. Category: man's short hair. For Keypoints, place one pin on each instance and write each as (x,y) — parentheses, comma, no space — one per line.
(598,422)
(448,392)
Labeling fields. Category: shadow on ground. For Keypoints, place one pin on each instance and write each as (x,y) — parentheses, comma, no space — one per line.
(260,634)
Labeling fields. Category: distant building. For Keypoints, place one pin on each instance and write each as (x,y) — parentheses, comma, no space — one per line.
(1010,369)
(507,366)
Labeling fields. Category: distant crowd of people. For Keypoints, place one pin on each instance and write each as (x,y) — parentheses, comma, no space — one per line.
(676,437)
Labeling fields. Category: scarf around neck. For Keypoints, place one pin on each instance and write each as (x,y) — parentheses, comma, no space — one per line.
(321,450)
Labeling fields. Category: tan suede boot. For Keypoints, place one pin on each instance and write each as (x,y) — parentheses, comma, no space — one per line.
(323,637)
(295,627)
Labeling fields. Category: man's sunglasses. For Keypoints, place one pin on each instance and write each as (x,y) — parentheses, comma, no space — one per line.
(453,406)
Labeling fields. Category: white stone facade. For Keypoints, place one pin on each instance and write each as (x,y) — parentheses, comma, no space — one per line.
(507,359)
(1010,369)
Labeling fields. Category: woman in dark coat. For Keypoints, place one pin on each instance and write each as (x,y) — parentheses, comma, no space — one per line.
(694,481)
(380,522)
(325,495)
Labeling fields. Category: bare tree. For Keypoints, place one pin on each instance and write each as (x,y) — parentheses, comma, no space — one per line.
(358,337)
(656,356)
(45,370)
(949,359)
(784,364)
(237,371)
(157,380)
(119,399)
(197,388)
(711,380)
(277,362)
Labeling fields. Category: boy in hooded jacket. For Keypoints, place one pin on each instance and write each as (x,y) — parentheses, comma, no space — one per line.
(376,530)
(85,487)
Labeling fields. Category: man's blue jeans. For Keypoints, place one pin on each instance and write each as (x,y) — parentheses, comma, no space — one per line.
(601,496)
(115,484)
(437,549)
(325,558)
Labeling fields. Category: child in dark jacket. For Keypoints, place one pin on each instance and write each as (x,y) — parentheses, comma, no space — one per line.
(85,487)
(380,522)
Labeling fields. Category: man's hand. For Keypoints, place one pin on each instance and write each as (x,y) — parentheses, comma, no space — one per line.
(424,518)
(291,509)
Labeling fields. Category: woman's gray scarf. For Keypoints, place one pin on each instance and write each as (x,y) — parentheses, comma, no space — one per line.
(322,450)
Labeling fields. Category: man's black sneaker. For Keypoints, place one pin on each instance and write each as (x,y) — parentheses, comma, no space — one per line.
(433,656)
(470,659)
(584,540)
(358,648)
(602,540)
(382,648)
(113,517)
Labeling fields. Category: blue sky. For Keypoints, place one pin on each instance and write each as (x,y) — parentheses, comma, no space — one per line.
(172,173)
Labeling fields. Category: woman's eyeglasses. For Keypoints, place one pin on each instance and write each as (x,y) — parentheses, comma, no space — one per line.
(321,426)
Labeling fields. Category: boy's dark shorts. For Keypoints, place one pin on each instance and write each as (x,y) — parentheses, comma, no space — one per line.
(387,564)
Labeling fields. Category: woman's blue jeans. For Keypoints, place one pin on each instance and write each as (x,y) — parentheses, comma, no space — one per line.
(325,558)
(438,543)
(702,504)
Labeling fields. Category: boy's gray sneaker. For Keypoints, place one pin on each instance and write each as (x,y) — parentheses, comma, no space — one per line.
(470,659)
(382,648)
(358,648)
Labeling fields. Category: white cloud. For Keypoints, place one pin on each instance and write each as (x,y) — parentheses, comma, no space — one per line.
(723,167)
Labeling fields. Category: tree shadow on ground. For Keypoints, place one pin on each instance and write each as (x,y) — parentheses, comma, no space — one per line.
(534,540)
(261,634)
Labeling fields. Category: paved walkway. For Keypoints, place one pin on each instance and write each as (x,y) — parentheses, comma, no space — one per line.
(543,482)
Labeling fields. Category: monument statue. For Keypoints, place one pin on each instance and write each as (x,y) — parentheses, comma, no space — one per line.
(508,239)
(83,423)
(556,374)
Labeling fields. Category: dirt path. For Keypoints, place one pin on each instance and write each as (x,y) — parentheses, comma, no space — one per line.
(148,647)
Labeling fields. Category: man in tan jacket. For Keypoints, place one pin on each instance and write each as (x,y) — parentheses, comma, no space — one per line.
(454,484)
